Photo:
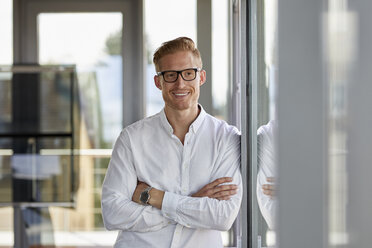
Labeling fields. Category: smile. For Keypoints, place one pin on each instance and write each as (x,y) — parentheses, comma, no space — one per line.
(181,94)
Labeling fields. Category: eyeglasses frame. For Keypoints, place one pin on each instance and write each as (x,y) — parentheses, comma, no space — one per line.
(196,69)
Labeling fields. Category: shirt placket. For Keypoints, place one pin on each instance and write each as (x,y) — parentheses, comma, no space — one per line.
(185,177)
(185,181)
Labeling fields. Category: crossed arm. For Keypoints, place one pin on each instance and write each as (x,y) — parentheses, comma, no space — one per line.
(213,190)
(214,206)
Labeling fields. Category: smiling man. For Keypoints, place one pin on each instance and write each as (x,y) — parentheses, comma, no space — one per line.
(174,178)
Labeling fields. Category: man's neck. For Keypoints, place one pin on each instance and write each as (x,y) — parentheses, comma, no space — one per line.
(180,120)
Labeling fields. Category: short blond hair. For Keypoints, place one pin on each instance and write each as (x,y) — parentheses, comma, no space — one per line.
(173,46)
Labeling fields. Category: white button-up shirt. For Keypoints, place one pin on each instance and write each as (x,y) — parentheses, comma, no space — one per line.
(148,151)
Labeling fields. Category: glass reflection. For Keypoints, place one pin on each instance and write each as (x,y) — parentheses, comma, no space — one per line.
(39,105)
(340,46)
(267,122)
(38,114)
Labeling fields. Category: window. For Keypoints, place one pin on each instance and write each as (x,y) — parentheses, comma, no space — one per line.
(6,32)
(170,24)
(221,59)
(91,41)
(6,58)
(265,120)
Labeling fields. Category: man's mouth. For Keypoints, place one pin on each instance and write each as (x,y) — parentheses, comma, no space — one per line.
(181,94)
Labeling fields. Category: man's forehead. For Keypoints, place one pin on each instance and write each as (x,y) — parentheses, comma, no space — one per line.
(178,61)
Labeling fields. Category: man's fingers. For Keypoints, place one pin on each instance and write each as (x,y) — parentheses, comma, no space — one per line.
(225,193)
(219,181)
(224,190)
(212,192)
(214,187)
(225,187)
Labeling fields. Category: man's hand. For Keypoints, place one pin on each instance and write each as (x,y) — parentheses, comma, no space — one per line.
(217,191)
(269,189)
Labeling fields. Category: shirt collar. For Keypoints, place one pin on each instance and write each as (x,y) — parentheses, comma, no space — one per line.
(165,122)
(199,120)
(193,127)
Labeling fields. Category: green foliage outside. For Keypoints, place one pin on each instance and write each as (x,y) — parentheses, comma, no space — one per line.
(113,43)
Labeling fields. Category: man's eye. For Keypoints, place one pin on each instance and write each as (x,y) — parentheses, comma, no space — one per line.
(170,74)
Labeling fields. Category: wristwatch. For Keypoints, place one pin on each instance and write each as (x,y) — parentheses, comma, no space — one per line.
(145,196)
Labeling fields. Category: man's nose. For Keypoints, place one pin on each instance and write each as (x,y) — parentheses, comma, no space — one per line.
(180,81)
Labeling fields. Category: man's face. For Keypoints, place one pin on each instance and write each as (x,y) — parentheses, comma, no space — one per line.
(180,95)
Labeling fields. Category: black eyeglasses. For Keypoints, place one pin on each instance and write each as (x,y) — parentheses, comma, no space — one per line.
(172,76)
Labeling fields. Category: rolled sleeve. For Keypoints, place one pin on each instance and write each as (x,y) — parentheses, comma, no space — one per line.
(169,205)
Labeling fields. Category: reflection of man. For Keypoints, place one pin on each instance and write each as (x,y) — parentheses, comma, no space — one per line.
(267,159)
(190,159)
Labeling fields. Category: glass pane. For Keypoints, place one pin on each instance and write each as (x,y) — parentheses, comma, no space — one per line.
(340,55)
(221,59)
(35,177)
(6,32)
(32,102)
(266,118)
(83,225)
(91,41)
(37,109)
(158,29)
(221,85)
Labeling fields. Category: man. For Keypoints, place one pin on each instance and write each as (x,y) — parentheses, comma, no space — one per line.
(174,178)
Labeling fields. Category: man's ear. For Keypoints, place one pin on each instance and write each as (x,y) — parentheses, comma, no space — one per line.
(203,77)
(157,82)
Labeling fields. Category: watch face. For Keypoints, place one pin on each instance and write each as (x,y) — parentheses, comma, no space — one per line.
(144,197)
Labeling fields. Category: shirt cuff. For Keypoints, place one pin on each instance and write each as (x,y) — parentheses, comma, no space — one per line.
(169,205)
